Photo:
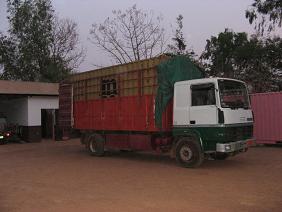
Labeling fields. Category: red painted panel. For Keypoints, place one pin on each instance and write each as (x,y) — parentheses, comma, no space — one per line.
(135,113)
(140,142)
(267,108)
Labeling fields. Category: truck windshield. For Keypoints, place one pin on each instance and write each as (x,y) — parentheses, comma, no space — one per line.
(233,94)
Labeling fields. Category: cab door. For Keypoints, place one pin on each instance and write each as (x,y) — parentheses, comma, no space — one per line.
(181,104)
(203,110)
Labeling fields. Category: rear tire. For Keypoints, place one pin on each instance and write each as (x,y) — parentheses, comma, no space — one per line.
(95,145)
(189,153)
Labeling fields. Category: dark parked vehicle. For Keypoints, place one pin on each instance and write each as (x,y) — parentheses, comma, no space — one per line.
(8,132)
(4,134)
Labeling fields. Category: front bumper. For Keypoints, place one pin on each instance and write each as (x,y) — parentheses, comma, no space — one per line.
(236,146)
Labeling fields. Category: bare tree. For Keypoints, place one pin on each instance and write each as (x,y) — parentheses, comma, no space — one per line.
(65,44)
(131,35)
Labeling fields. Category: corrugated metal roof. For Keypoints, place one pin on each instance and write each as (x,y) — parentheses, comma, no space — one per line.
(30,88)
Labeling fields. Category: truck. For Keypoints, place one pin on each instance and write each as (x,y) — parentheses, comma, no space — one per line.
(163,105)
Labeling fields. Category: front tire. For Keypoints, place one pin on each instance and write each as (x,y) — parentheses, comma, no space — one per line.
(95,145)
(189,153)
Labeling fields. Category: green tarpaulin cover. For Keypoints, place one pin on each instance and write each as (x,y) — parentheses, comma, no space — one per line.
(178,68)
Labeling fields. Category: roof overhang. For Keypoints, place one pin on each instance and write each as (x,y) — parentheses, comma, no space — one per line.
(28,88)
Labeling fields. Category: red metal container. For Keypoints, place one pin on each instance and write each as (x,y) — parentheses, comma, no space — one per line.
(129,113)
(267,108)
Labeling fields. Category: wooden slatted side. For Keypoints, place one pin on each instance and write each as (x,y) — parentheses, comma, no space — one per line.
(132,79)
(65,105)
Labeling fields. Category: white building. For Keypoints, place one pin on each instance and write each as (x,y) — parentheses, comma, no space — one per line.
(30,105)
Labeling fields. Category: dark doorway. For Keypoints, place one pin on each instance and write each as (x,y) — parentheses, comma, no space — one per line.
(48,122)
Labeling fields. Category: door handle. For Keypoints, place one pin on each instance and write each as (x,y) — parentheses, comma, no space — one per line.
(192,122)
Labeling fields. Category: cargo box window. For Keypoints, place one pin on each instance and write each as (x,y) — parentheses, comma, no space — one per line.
(203,94)
(109,88)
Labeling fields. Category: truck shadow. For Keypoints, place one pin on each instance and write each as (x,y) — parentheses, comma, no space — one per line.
(163,159)
(229,163)
(145,157)
(141,157)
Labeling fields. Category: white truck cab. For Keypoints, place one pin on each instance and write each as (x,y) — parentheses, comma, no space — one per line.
(217,110)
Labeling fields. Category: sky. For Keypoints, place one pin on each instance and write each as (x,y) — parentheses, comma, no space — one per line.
(202,19)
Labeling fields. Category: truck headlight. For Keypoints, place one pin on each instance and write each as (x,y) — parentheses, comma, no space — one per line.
(228,147)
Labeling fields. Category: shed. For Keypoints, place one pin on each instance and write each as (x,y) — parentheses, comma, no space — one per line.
(31,107)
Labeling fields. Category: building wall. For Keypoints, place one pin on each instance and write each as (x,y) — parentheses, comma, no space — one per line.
(36,103)
(27,111)
(33,133)
(15,110)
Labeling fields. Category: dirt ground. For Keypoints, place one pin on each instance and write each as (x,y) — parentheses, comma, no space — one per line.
(61,176)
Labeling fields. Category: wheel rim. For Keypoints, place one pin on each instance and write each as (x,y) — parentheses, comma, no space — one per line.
(92,145)
(186,153)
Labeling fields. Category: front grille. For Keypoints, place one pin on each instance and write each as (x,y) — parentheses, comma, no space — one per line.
(239,133)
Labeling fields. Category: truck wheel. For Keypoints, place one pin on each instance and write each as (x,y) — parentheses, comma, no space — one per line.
(219,156)
(189,153)
(95,145)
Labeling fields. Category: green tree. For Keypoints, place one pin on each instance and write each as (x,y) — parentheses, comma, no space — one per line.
(179,45)
(220,53)
(266,14)
(8,57)
(30,31)
(33,50)
(253,60)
